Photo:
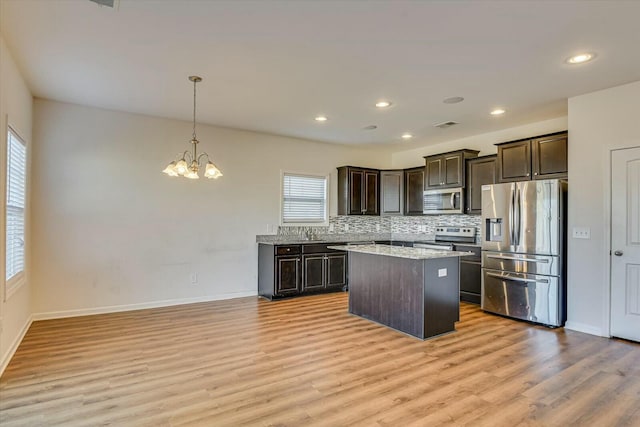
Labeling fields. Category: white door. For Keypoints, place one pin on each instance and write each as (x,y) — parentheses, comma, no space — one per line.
(625,243)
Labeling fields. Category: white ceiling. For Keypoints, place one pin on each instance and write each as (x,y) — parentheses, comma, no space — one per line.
(272,66)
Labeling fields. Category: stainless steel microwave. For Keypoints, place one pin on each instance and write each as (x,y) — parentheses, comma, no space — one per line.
(442,201)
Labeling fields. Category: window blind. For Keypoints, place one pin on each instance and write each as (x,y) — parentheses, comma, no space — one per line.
(304,198)
(16,180)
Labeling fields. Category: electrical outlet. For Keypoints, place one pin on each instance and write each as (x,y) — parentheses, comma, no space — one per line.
(581,233)
(378,227)
(330,227)
(346,227)
(194,278)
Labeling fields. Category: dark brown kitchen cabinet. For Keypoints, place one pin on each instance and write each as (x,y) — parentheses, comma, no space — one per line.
(288,275)
(358,191)
(391,192)
(538,158)
(549,156)
(447,170)
(413,188)
(323,268)
(336,265)
(324,271)
(291,270)
(480,171)
(470,274)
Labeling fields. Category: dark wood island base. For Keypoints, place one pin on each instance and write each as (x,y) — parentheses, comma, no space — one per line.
(419,297)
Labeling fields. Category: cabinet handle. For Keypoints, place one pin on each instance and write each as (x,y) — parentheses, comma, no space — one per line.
(536,173)
(288,249)
(527,173)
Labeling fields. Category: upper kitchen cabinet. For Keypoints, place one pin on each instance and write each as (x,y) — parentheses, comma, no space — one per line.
(538,158)
(480,171)
(391,192)
(358,191)
(447,170)
(549,156)
(413,188)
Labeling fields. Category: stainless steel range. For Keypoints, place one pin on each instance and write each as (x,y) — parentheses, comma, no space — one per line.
(460,239)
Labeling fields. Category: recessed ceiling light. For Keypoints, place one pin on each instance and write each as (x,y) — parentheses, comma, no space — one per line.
(407,135)
(321,119)
(383,104)
(453,100)
(580,58)
(498,112)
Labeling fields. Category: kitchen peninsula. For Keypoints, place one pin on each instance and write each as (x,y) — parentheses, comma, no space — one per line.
(412,290)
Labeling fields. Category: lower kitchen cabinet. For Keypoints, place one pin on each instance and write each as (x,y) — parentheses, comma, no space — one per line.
(290,270)
(287,275)
(470,274)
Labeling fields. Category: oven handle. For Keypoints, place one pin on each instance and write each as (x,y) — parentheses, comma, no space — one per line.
(543,261)
(516,279)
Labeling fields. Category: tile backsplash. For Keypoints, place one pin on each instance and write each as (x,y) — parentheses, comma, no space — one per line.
(415,225)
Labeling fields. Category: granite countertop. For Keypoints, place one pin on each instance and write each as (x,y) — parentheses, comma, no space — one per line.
(273,239)
(400,252)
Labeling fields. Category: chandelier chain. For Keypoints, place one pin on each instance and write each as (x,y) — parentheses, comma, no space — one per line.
(194,109)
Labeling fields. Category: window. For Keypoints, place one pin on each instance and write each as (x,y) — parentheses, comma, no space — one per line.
(304,199)
(16,180)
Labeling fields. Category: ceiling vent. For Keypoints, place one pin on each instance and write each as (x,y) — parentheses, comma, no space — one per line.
(445,125)
(113,4)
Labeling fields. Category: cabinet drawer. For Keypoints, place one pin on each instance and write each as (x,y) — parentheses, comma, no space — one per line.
(318,248)
(288,250)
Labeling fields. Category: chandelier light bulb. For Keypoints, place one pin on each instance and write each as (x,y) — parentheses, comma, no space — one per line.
(181,167)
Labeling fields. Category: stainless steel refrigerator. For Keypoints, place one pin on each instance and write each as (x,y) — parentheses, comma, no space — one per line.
(523,250)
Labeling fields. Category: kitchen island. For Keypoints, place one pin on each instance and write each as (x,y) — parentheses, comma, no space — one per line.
(412,290)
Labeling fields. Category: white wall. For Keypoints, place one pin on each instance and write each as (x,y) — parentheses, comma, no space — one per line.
(15,105)
(112,230)
(483,142)
(598,123)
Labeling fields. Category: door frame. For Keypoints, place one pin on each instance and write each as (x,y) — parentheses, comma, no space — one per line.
(608,235)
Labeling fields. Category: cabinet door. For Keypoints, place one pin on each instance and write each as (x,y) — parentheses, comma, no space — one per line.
(514,161)
(356,191)
(480,171)
(414,187)
(336,270)
(433,175)
(453,172)
(549,157)
(313,274)
(287,275)
(391,192)
(371,201)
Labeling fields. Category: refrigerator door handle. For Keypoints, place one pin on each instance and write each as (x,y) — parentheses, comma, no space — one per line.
(518,233)
(516,279)
(511,216)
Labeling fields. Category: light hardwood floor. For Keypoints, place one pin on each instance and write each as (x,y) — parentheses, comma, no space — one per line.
(307,361)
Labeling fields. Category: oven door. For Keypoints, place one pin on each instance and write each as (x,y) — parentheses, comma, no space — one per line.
(443,201)
(523,296)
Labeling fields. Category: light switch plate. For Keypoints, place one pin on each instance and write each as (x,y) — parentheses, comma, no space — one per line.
(581,233)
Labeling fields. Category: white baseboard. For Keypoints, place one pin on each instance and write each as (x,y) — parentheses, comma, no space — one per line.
(6,358)
(138,306)
(587,329)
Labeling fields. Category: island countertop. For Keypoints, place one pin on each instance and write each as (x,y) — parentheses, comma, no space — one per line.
(400,251)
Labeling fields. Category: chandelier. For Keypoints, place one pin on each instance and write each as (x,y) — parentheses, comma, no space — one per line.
(190,162)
